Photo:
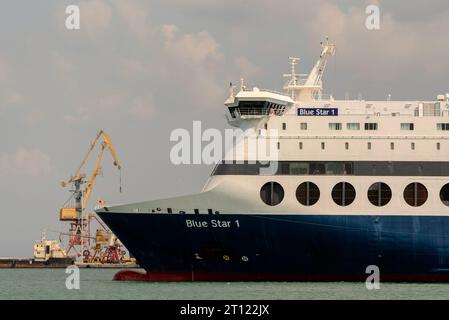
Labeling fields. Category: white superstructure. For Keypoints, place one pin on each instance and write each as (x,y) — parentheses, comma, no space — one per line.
(391,156)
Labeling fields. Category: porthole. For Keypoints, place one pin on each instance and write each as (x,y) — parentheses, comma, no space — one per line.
(307,193)
(415,194)
(343,194)
(379,194)
(444,194)
(272,193)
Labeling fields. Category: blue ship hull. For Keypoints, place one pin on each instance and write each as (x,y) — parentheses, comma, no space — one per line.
(285,247)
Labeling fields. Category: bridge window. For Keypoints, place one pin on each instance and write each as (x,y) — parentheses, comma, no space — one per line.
(353,126)
(343,194)
(335,126)
(379,194)
(307,193)
(371,126)
(407,126)
(443,126)
(272,193)
(415,194)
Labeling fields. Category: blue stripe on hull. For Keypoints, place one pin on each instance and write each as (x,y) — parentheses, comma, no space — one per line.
(309,246)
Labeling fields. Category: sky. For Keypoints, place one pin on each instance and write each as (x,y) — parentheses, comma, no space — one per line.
(140,69)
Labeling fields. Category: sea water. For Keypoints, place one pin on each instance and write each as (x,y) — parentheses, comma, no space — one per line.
(98,284)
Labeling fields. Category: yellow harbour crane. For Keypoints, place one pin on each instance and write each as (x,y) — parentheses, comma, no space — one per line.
(79,179)
(75,212)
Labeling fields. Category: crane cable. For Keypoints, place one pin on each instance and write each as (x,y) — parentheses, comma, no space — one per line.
(120,187)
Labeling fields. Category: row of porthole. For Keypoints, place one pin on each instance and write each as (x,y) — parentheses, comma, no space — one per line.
(343,193)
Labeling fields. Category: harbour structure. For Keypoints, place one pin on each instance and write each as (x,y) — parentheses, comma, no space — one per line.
(103,248)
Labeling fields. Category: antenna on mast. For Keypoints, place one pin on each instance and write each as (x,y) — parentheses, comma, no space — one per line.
(293,76)
(309,86)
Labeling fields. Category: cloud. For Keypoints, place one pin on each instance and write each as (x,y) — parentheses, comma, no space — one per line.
(100,105)
(142,109)
(4,72)
(135,17)
(247,68)
(63,65)
(11,97)
(95,16)
(197,61)
(25,162)
(191,47)
(33,118)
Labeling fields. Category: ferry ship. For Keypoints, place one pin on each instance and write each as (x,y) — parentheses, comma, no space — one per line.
(354,184)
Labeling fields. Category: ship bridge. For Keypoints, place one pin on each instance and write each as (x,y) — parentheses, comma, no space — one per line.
(256,103)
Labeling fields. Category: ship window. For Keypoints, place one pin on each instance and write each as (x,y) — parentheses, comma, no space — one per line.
(169,210)
(392,145)
(379,194)
(412,145)
(298,168)
(323,145)
(438,146)
(317,168)
(272,193)
(284,126)
(303,125)
(343,194)
(196,211)
(307,193)
(335,126)
(334,168)
(279,145)
(370,126)
(353,126)
(300,145)
(210,211)
(369,145)
(415,194)
(348,168)
(265,126)
(407,126)
(347,145)
(443,126)
(444,194)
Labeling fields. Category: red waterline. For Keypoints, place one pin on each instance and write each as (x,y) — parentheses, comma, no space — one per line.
(130,275)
